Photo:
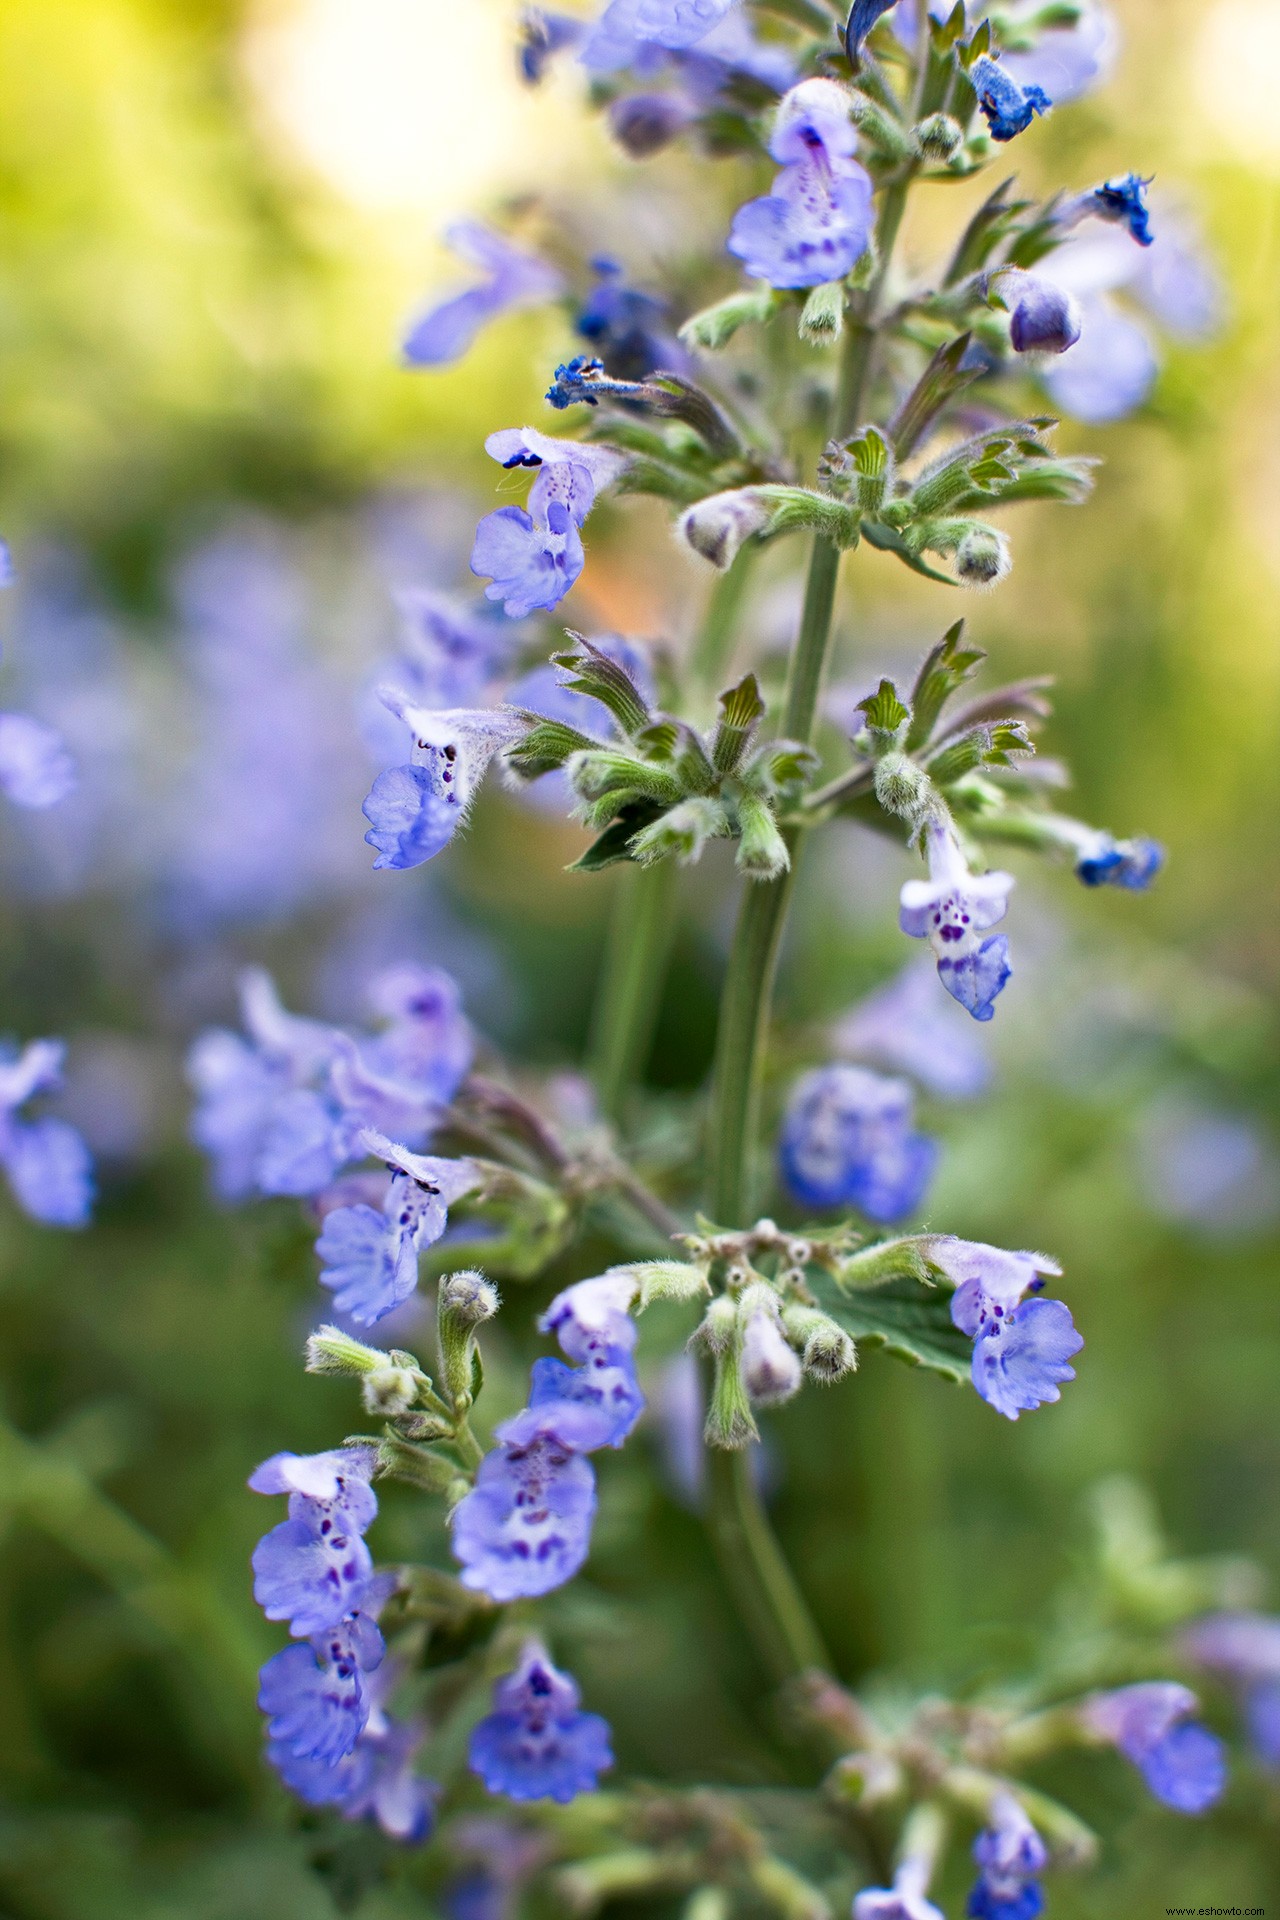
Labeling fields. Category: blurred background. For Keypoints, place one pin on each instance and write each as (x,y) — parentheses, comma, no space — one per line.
(216,217)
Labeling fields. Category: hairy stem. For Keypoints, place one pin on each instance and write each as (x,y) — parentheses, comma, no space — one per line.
(639,944)
(772,1606)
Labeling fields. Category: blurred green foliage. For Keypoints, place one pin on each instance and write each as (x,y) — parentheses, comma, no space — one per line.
(191,323)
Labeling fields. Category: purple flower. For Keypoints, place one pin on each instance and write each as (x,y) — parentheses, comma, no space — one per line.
(314,1568)
(536,1744)
(533,557)
(36,771)
(626,327)
(847,1141)
(1011,1856)
(904,1900)
(1110,371)
(1007,108)
(595,1329)
(1244,1648)
(525,1527)
(1183,1764)
(542,36)
(769,1366)
(375,1779)
(314,1697)
(414,811)
(369,1256)
(626,25)
(514,279)
(48,1165)
(1132,864)
(449,652)
(1043,317)
(904,1027)
(1067,61)
(952,909)
(816,222)
(1124,202)
(1021,1348)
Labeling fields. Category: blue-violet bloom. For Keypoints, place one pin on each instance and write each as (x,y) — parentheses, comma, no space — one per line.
(1011,1856)
(903,1027)
(525,1527)
(904,1900)
(514,279)
(314,1697)
(1183,1764)
(594,1327)
(532,557)
(1134,864)
(816,222)
(537,1744)
(314,1568)
(952,909)
(1021,1347)
(848,1141)
(1244,1649)
(36,771)
(49,1168)
(1007,108)
(414,810)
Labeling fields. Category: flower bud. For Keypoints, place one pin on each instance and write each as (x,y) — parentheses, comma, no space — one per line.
(771,1371)
(644,123)
(389,1391)
(1043,318)
(827,1350)
(939,136)
(330,1350)
(983,557)
(903,788)
(470,1297)
(717,526)
(719,1324)
(823,317)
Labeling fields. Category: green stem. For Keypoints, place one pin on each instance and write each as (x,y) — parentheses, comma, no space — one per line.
(767,1597)
(772,1606)
(712,648)
(641,928)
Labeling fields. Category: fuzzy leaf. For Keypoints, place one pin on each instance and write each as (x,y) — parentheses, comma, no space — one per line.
(946,668)
(994,219)
(910,1321)
(547,746)
(741,710)
(715,326)
(883,709)
(942,379)
(888,540)
(615,842)
(592,672)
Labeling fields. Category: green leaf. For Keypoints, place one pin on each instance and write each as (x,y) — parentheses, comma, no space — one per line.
(592,672)
(741,710)
(546,746)
(996,744)
(994,219)
(715,326)
(884,710)
(941,380)
(910,1321)
(946,668)
(614,842)
(888,540)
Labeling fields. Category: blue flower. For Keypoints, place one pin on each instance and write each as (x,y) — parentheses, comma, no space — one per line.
(1068,61)
(903,1026)
(1124,202)
(1120,863)
(370,1256)
(847,1141)
(36,771)
(450,651)
(1109,372)
(514,279)
(533,557)
(1011,1856)
(314,1697)
(374,1780)
(1244,1649)
(1043,317)
(283,1111)
(626,25)
(542,36)
(624,325)
(1183,1764)
(816,222)
(415,810)
(904,1900)
(1007,108)
(952,909)
(537,1744)
(314,1568)
(48,1165)
(525,1527)
(594,1328)
(1021,1348)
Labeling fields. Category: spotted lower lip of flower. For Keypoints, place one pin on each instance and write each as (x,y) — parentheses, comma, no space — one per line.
(415,810)
(314,1568)
(369,1256)
(525,1528)
(315,1697)
(815,223)
(533,556)
(952,910)
(513,279)
(537,1744)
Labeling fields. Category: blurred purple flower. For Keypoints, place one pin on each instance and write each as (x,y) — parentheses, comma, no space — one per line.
(513,279)
(1244,1650)
(48,1165)
(848,1140)
(1183,1764)
(904,1027)
(537,1744)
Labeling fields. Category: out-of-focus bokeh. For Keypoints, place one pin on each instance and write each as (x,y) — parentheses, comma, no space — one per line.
(216,478)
